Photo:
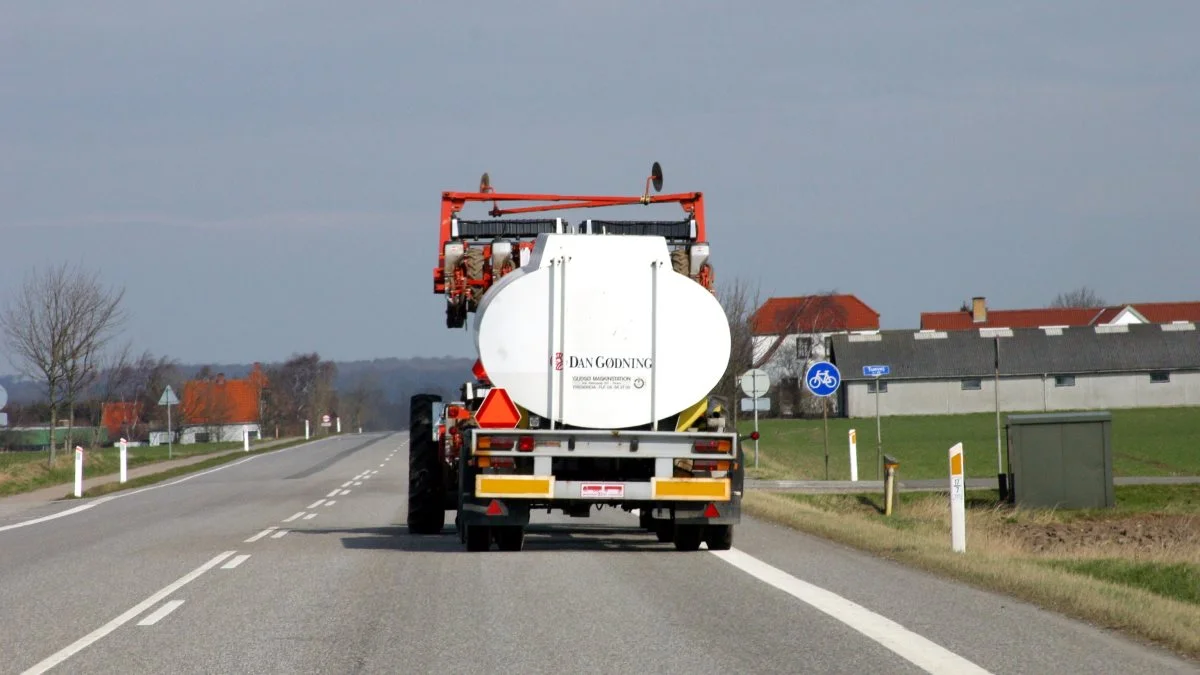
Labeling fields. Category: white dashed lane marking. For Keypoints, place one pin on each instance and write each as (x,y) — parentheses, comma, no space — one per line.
(316,503)
(260,535)
(236,561)
(160,613)
(293,516)
(279,534)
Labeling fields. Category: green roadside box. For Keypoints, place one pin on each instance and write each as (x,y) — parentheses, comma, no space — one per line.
(1061,460)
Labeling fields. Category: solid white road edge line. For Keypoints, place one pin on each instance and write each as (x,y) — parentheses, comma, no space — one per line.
(84,507)
(923,653)
(260,535)
(237,560)
(83,642)
(161,612)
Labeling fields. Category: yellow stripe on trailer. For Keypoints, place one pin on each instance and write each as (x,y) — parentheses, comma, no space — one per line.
(683,489)
(514,486)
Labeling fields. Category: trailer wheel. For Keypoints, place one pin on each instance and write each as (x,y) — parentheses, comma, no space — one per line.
(426,485)
(479,538)
(510,538)
(688,537)
(718,537)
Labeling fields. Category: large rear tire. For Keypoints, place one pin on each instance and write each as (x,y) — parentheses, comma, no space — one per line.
(426,479)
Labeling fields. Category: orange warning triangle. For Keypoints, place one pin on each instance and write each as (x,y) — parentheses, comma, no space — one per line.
(497,411)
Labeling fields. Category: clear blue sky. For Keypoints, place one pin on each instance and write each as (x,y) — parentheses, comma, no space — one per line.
(263,177)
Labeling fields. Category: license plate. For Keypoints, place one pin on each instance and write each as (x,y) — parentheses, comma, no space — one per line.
(602,490)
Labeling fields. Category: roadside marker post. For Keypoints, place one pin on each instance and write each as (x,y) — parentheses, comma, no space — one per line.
(889,485)
(958,516)
(124,458)
(78,471)
(853,456)
(306,433)
(339,424)
(245,440)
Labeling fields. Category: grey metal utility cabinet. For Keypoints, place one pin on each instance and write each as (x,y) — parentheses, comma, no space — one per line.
(1061,460)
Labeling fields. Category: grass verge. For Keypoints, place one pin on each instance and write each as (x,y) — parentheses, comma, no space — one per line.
(1128,570)
(27,471)
(1146,442)
(150,479)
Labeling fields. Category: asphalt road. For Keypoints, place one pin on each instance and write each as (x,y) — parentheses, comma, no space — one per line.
(298,562)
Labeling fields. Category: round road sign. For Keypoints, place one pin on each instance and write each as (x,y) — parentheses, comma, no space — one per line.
(755,383)
(822,378)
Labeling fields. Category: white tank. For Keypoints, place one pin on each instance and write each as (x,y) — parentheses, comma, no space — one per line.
(598,331)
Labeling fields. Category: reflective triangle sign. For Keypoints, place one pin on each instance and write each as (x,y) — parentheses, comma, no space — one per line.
(497,411)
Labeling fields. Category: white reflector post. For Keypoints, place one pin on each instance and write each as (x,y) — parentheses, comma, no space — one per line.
(78,471)
(853,455)
(958,516)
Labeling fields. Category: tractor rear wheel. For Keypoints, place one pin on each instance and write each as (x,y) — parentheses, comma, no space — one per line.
(426,480)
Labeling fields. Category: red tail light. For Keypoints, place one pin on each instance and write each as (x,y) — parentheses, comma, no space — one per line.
(718,446)
(711,511)
(525,444)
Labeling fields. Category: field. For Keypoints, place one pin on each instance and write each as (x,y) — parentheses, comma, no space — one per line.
(1146,442)
(1134,568)
(25,471)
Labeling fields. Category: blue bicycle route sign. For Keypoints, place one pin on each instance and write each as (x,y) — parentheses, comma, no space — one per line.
(822,378)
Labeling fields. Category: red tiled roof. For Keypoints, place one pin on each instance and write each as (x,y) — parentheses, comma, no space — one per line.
(1011,318)
(1166,312)
(809,313)
(114,416)
(1154,312)
(220,401)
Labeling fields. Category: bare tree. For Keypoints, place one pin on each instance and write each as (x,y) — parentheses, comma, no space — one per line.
(739,302)
(1080,297)
(37,327)
(94,315)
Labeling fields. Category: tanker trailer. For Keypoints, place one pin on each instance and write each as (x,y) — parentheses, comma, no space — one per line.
(599,345)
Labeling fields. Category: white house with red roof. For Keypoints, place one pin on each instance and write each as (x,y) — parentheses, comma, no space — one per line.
(789,333)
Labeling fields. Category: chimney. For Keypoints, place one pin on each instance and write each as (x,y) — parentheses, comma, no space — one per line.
(978,310)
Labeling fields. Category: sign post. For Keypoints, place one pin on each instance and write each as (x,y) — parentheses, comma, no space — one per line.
(3,402)
(822,379)
(755,383)
(877,372)
(958,516)
(853,455)
(124,458)
(169,399)
(78,472)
